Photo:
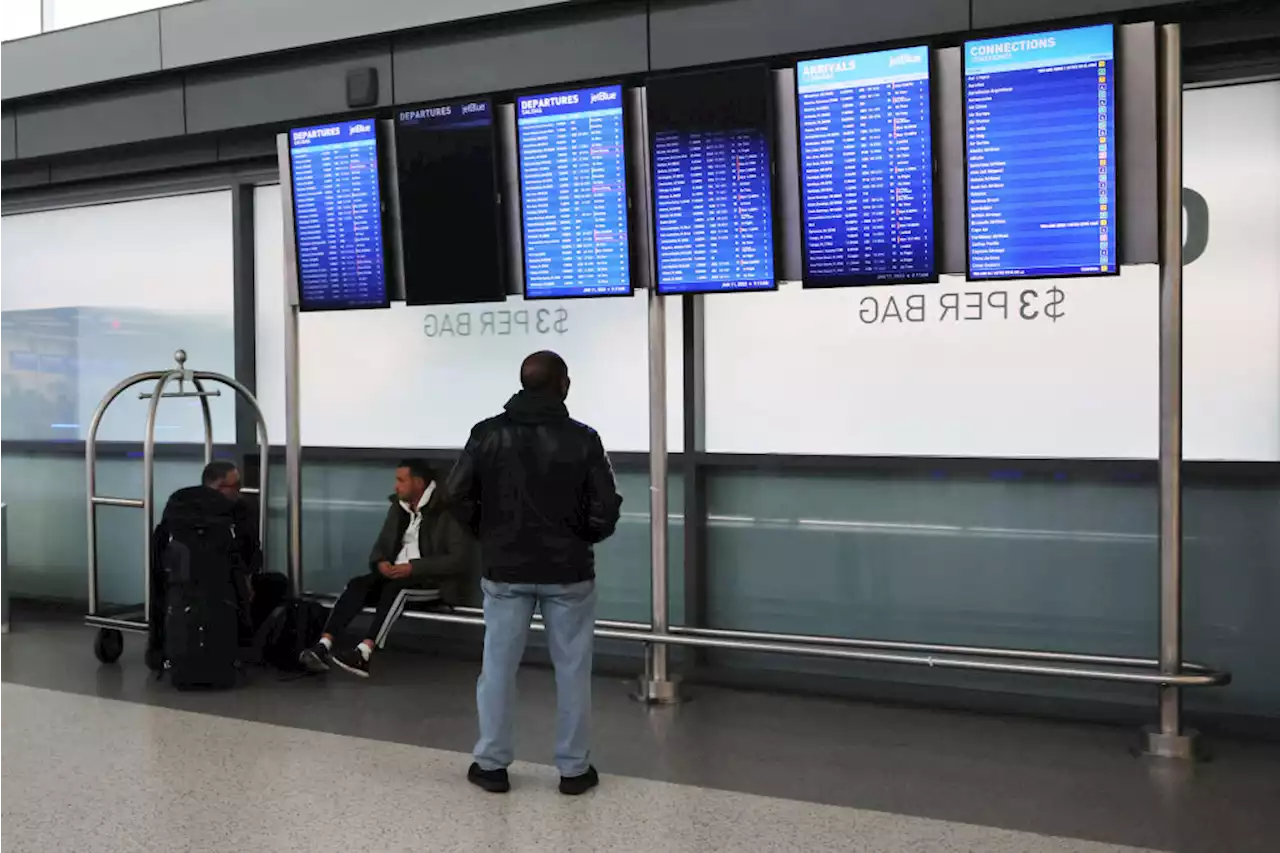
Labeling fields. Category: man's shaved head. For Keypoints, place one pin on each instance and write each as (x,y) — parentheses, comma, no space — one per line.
(545,372)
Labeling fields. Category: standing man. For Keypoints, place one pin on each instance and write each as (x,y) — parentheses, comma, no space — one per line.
(537,489)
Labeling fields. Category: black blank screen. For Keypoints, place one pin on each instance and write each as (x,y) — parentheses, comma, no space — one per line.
(449,220)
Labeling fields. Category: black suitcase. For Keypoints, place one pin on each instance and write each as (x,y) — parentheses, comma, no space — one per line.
(195,607)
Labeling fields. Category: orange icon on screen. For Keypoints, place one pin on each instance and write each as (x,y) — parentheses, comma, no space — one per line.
(1102,207)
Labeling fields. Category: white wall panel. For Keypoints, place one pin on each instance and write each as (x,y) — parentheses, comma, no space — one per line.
(422,377)
(955,369)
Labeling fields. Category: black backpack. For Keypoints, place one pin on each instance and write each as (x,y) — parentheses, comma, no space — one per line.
(288,630)
(195,613)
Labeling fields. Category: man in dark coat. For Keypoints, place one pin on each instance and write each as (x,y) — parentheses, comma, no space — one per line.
(259,591)
(420,546)
(537,489)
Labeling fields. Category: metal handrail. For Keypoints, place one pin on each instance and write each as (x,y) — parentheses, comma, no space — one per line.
(816,645)
(894,645)
(956,660)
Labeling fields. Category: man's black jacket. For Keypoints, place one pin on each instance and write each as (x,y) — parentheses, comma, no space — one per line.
(448,552)
(537,489)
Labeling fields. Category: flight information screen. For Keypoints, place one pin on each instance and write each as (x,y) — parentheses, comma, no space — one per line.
(573,191)
(711,148)
(1040,145)
(337,216)
(866,168)
(447,177)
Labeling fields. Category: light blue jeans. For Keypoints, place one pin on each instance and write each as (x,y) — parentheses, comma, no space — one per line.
(569,612)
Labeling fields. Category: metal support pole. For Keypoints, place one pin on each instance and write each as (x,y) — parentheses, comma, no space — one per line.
(292,372)
(293,448)
(657,686)
(4,565)
(1169,739)
(149,484)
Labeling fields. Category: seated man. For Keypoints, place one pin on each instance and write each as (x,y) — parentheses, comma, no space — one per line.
(260,592)
(421,546)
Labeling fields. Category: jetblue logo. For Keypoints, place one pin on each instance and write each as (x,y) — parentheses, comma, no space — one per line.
(904,59)
(477,107)
(359,128)
(598,97)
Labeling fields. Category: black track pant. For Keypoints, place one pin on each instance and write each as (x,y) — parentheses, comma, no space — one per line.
(364,591)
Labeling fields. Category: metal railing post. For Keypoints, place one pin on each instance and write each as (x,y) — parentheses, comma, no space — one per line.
(4,566)
(293,449)
(292,372)
(1169,739)
(656,685)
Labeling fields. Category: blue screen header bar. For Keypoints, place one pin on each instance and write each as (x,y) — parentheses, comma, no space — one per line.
(572,102)
(1040,50)
(863,69)
(470,113)
(329,134)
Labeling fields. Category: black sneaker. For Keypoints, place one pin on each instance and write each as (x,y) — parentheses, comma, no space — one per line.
(353,662)
(493,781)
(315,659)
(573,786)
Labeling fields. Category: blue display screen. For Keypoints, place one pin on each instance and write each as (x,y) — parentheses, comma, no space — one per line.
(1040,147)
(573,191)
(337,216)
(713,211)
(866,168)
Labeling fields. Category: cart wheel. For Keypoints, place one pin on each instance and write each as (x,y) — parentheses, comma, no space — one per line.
(108,645)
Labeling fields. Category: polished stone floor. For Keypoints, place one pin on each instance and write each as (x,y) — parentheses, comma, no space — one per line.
(92,774)
(104,758)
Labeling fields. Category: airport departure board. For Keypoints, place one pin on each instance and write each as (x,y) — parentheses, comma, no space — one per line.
(1040,147)
(866,168)
(573,191)
(447,177)
(711,149)
(337,216)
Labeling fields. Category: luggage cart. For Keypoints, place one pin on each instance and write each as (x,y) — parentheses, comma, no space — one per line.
(109,642)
